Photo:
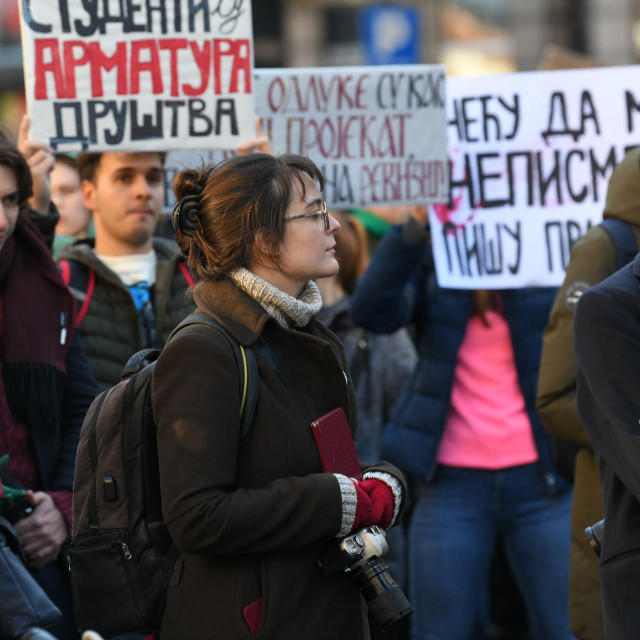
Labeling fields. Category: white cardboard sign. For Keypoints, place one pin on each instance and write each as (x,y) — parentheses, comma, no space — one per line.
(531,155)
(138,76)
(378,134)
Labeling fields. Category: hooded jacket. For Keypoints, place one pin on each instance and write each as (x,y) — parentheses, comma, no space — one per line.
(251,522)
(593,258)
(109,330)
(399,288)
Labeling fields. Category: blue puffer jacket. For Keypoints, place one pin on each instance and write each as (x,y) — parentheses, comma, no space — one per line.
(400,288)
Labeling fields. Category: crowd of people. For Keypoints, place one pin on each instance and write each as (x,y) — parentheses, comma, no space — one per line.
(494,430)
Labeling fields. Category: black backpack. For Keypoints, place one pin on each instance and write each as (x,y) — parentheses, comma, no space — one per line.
(122,559)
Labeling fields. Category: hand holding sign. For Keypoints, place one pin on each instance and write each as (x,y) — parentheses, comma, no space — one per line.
(259,143)
(420,214)
(39,157)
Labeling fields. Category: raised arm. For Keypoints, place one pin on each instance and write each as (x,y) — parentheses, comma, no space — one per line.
(389,291)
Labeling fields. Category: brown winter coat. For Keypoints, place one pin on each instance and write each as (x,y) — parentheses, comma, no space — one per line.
(593,259)
(252,522)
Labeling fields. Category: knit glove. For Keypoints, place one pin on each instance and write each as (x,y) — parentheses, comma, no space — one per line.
(363,506)
(381,503)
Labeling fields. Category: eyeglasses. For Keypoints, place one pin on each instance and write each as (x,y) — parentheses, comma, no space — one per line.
(320,212)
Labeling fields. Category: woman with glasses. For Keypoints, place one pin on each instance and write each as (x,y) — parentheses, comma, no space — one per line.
(252,519)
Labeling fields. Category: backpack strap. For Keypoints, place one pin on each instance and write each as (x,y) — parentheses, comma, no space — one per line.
(187,274)
(624,238)
(247,366)
(81,281)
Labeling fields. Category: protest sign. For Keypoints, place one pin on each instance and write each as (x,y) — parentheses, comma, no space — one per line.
(138,76)
(531,155)
(378,134)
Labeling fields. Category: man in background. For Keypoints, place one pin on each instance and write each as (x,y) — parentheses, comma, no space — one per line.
(66,194)
(131,287)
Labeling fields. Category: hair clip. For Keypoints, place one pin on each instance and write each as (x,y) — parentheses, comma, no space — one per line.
(185,216)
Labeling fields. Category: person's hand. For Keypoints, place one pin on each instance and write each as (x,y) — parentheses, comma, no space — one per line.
(420,214)
(392,213)
(42,533)
(381,505)
(363,506)
(259,143)
(39,157)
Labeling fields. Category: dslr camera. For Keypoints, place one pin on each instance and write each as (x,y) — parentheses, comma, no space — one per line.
(359,556)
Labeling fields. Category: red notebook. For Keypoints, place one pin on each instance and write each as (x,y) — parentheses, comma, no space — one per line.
(335,444)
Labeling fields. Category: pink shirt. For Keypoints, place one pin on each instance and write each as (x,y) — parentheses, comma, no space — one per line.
(487,426)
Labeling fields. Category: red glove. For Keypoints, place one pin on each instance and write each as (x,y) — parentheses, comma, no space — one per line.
(382,502)
(363,506)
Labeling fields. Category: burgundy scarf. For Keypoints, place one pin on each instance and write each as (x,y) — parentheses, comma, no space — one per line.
(36,324)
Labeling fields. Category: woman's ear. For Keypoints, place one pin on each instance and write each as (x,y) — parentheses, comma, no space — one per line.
(265,251)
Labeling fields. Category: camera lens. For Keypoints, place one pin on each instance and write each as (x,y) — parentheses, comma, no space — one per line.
(387,604)
(594,534)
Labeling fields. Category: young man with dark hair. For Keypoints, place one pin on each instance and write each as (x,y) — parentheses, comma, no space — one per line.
(46,385)
(131,287)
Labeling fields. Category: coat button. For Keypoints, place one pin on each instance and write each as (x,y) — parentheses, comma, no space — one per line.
(549,478)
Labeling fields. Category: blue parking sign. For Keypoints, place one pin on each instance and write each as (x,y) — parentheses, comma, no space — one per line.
(390,34)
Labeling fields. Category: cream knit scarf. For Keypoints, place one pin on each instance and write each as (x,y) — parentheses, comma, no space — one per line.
(280,305)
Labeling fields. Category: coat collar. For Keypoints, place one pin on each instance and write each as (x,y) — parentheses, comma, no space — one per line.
(236,311)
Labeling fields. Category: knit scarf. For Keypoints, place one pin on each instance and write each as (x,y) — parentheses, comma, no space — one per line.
(280,305)
(36,320)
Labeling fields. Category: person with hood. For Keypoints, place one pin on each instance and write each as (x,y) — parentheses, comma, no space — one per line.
(593,258)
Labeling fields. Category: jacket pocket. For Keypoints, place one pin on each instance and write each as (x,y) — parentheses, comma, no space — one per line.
(106,590)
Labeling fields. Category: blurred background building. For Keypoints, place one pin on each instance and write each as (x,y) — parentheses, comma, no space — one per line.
(470,37)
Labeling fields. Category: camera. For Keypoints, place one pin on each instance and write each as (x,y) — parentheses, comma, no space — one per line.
(16,509)
(594,534)
(359,556)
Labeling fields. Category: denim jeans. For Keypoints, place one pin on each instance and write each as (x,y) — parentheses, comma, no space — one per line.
(451,542)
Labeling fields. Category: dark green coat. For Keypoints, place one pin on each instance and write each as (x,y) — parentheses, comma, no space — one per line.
(109,331)
(253,521)
(593,259)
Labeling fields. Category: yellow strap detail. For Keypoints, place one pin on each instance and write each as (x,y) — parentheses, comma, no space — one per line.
(246,381)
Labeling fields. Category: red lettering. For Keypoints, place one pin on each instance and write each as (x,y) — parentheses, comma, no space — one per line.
(360,89)
(326,91)
(42,68)
(327,125)
(241,64)
(221,47)
(71,62)
(173,45)
(342,92)
(151,66)
(344,136)
(365,129)
(240,50)
(276,82)
(203,60)
(100,61)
